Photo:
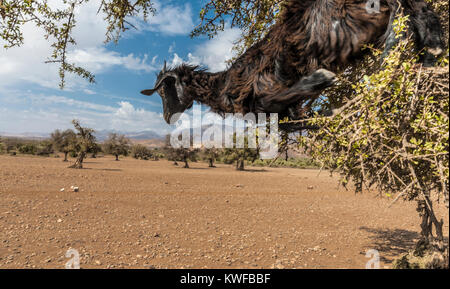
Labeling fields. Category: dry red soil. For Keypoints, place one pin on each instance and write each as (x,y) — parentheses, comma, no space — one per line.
(146,214)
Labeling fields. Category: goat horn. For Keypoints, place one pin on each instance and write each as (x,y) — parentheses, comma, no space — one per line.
(166,75)
(165,67)
(159,83)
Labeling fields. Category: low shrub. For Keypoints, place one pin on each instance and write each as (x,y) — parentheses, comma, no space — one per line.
(141,152)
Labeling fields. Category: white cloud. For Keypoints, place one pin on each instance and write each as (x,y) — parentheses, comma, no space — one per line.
(217,51)
(177,60)
(172,20)
(54,99)
(36,121)
(154,59)
(88,91)
(48,113)
(172,48)
(129,118)
(99,59)
(214,53)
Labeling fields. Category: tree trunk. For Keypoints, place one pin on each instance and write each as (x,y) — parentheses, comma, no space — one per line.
(426,212)
(211,163)
(117,158)
(65,157)
(185,160)
(240,165)
(428,242)
(79,163)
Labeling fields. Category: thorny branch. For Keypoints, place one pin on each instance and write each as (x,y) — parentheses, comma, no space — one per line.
(58,25)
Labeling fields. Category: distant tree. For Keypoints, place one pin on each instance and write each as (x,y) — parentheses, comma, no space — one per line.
(82,144)
(139,151)
(95,150)
(27,148)
(8,146)
(169,151)
(185,155)
(179,154)
(2,147)
(45,148)
(284,145)
(240,155)
(63,141)
(157,154)
(116,145)
(10,149)
(211,156)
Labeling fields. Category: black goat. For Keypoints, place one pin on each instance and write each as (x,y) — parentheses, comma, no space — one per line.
(293,64)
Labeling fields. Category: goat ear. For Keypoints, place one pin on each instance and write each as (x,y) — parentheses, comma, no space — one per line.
(148,92)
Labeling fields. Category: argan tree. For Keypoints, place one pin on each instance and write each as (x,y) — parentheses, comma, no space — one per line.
(392,134)
(240,155)
(185,155)
(211,155)
(169,151)
(95,150)
(82,144)
(116,145)
(141,152)
(179,154)
(63,141)
(253,17)
(45,148)
(2,147)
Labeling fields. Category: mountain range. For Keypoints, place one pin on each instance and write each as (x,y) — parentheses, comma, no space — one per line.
(101,135)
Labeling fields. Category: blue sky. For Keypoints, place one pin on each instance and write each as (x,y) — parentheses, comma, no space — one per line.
(31,101)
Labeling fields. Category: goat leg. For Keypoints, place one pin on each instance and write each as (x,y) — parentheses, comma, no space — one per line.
(390,36)
(315,83)
(307,88)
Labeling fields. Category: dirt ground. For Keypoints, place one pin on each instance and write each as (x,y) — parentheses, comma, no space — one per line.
(146,214)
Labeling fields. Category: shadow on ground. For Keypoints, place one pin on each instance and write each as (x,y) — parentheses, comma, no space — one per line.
(108,170)
(392,243)
(255,170)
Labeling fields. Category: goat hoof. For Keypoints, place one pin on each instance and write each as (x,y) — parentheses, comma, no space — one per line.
(322,79)
(437,51)
(326,75)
